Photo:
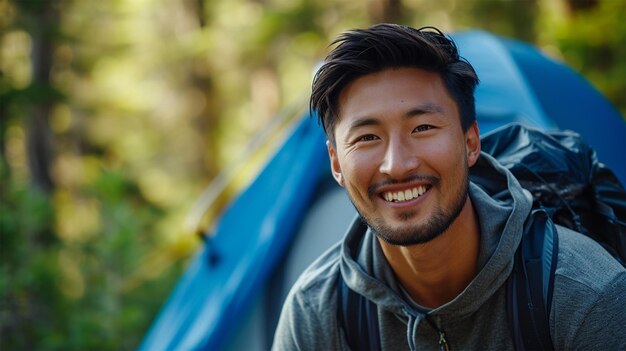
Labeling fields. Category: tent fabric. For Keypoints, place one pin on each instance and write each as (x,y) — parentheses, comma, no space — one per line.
(521,84)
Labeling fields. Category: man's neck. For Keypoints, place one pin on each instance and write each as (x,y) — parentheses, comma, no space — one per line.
(436,272)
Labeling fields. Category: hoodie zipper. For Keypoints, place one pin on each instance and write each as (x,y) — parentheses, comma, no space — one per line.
(443,342)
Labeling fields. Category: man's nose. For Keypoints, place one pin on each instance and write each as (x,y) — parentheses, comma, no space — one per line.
(400,159)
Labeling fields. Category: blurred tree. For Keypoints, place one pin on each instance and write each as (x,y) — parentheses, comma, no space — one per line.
(40,18)
(507,18)
(390,11)
(590,36)
(69,255)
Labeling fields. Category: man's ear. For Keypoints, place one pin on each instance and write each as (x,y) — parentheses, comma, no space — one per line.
(334,163)
(472,144)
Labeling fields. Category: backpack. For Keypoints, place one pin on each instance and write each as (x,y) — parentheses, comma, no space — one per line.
(570,188)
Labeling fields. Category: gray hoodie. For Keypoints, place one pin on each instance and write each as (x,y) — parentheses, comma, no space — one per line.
(589,300)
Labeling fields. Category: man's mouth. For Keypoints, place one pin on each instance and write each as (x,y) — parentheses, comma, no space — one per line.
(405,195)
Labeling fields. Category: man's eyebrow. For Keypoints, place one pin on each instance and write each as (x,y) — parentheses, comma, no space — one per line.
(423,109)
(363,122)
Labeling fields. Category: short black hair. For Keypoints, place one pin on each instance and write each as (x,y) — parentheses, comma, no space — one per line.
(363,51)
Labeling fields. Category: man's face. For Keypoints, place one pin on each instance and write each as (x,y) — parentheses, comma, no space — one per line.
(402,155)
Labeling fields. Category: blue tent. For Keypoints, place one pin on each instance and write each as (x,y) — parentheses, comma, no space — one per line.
(230,296)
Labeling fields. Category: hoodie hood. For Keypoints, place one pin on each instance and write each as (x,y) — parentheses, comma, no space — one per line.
(502,206)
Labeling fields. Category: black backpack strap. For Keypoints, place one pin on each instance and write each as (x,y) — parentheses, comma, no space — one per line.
(358,317)
(529,288)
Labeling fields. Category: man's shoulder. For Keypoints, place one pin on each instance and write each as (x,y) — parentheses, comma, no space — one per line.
(587,305)
(319,277)
(582,260)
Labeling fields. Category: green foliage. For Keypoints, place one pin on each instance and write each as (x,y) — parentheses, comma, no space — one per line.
(593,42)
(60,294)
(26,222)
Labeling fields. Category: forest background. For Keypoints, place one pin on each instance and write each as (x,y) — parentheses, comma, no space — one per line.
(115,115)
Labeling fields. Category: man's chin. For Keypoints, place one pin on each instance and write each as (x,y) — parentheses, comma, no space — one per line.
(409,233)
(404,235)
(399,238)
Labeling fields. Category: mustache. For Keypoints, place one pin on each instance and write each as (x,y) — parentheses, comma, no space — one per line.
(373,189)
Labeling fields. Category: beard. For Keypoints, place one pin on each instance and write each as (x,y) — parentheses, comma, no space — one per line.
(436,225)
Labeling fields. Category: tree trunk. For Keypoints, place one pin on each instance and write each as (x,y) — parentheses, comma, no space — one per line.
(388,11)
(39,136)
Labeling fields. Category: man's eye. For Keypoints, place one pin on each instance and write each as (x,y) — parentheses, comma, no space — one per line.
(423,128)
(367,137)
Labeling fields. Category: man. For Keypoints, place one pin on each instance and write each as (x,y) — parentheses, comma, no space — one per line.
(443,219)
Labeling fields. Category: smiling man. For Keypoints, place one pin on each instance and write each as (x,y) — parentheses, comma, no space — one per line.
(439,221)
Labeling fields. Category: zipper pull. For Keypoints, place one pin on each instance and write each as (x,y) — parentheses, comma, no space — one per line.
(443,343)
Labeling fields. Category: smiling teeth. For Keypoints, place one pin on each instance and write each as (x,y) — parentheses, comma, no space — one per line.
(406,195)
